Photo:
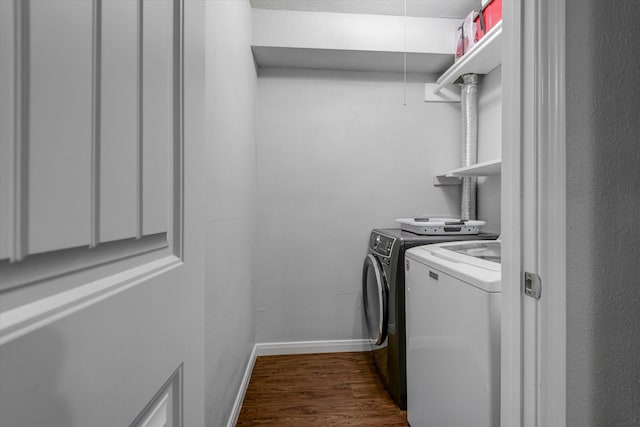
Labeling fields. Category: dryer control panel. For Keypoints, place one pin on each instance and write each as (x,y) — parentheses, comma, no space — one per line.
(381,244)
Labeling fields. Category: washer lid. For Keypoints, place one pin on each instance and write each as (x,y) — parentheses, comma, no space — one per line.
(489,251)
(468,261)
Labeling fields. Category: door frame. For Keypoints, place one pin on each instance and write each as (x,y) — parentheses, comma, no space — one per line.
(534,213)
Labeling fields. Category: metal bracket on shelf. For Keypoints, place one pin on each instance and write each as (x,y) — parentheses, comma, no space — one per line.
(447,93)
(444,180)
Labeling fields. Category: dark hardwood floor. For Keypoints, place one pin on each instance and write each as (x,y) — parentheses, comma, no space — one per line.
(331,389)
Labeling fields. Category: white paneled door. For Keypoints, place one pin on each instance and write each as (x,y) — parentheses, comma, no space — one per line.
(98,305)
(90,129)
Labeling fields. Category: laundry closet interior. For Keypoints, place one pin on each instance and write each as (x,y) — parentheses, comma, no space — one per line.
(360,123)
(187,186)
(351,147)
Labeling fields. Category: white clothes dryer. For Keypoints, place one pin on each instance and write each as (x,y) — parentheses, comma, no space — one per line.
(453,296)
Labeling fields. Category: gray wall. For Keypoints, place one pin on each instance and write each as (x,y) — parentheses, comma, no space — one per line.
(338,155)
(489,147)
(230,204)
(603,205)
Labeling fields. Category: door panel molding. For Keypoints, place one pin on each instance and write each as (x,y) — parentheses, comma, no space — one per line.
(41,267)
(96,113)
(21,132)
(26,318)
(178,129)
(140,118)
(44,237)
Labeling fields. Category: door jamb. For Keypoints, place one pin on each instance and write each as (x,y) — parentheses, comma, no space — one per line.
(533,373)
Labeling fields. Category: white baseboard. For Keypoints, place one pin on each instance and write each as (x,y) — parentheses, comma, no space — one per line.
(305,347)
(295,347)
(237,404)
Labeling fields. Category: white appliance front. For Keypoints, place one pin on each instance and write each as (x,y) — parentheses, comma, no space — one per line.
(453,337)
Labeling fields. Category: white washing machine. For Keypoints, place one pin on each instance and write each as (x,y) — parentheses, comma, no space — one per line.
(453,334)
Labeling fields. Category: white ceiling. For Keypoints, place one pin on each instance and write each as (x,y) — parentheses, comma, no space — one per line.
(424,8)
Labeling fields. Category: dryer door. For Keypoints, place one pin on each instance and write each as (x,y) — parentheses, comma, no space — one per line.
(375,295)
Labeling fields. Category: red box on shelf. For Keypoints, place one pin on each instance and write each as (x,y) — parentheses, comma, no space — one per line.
(489,16)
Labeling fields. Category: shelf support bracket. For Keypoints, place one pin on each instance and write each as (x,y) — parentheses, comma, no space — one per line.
(446,180)
(446,93)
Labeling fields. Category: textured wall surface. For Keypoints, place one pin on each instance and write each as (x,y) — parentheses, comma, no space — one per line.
(230,204)
(339,155)
(603,213)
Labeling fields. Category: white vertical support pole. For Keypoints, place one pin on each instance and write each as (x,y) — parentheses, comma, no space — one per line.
(511,332)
